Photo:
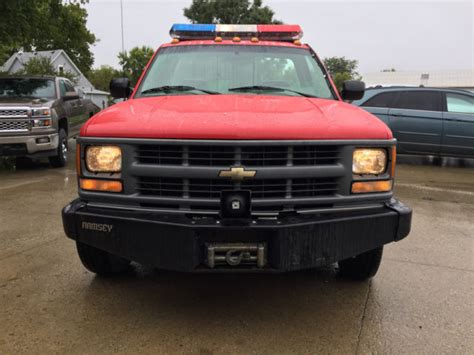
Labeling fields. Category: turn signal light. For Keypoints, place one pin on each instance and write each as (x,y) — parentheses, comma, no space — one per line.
(394,161)
(101,185)
(78,159)
(362,187)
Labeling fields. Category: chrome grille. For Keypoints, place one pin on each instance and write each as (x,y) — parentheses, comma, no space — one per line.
(254,156)
(13,113)
(17,126)
(212,188)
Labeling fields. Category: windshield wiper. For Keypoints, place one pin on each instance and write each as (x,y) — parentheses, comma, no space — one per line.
(177,88)
(268,88)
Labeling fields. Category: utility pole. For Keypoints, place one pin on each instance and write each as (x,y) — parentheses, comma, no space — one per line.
(121,21)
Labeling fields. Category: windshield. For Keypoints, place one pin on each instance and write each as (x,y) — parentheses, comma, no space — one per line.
(27,87)
(235,69)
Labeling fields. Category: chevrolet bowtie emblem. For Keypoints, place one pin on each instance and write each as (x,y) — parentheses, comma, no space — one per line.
(237,173)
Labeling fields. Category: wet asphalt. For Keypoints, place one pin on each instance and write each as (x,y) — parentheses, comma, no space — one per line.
(421,300)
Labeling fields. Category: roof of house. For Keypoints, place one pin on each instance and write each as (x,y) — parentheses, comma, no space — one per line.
(24,57)
(433,78)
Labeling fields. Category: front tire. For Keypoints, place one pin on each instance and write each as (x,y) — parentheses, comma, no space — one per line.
(363,266)
(100,262)
(60,159)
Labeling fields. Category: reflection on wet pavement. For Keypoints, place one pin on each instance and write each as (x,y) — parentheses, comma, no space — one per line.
(421,301)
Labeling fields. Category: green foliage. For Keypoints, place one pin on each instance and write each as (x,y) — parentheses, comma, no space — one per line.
(43,66)
(134,61)
(342,69)
(46,25)
(101,77)
(230,12)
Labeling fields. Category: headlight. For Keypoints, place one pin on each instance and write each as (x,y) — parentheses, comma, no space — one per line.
(104,159)
(42,123)
(369,161)
(41,112)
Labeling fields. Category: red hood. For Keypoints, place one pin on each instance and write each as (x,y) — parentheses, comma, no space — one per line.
(235,117)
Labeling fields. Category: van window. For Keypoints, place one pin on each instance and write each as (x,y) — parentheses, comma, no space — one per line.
(419,100)
(384,99)
(459,103)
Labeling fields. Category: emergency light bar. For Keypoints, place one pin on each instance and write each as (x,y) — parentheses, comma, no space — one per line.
(262,32)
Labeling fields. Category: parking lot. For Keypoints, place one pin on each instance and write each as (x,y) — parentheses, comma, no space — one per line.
(421,301)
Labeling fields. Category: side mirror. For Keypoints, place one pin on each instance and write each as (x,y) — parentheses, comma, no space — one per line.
(352,90)
(120,88)
(70,95)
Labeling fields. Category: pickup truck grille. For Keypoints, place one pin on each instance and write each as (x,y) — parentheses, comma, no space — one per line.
(13,113)
(186,175)
(237,155)
(211,188)
(14,120)
(14,126)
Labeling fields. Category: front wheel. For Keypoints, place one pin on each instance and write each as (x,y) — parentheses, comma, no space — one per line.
(363,266)
(101,262)
(60,159)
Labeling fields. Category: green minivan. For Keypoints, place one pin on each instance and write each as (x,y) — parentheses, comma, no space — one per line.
(425,121)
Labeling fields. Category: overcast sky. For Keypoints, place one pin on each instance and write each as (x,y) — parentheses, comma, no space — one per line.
(406,35)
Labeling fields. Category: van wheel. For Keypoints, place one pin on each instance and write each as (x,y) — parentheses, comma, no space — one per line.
(363,266)
(101,262)
(60,159)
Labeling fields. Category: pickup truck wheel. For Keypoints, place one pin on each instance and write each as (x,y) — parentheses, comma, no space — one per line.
(60,159)
(101,262)
(363,266)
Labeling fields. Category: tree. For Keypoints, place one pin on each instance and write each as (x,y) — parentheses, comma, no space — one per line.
(230,12)
(43,66)
(46,25)
(134,61)
(342,69)
(101,77)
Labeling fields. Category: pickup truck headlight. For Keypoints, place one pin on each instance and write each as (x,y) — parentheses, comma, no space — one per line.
(104,159)
(42,122)
(40,112)
(369,161)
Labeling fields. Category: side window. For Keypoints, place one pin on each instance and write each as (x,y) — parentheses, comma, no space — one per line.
(419,100)
(384,99)
(69,87)
(459,103)
(62,88)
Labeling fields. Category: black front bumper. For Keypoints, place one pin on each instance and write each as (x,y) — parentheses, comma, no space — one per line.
(179,242)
